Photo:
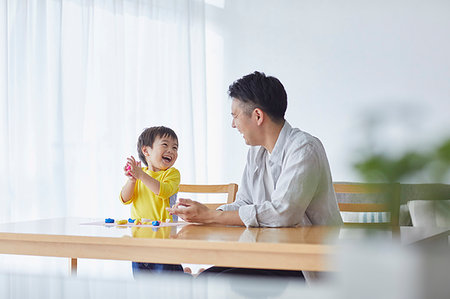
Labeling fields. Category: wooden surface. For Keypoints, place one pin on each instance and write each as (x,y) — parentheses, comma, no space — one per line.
(302,248)
(305,248)
(389,195)
(229,189)
(362,207)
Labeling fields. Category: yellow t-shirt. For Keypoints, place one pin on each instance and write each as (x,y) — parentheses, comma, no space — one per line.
(149,205)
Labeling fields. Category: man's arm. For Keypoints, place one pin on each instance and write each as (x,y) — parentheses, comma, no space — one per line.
(193,211)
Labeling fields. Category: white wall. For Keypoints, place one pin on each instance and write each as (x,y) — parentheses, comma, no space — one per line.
(344,64)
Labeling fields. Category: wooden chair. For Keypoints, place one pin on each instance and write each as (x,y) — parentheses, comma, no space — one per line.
(229,189)
(387,199)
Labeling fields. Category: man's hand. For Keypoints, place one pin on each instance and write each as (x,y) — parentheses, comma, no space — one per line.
(193,211)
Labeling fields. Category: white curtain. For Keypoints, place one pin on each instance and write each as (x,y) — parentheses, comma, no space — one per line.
(80,80)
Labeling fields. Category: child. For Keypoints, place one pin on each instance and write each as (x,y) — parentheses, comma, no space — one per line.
(149,188)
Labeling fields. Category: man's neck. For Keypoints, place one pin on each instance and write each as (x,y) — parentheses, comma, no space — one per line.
(272,131)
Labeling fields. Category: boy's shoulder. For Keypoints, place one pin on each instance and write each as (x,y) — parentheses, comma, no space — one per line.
(172,170)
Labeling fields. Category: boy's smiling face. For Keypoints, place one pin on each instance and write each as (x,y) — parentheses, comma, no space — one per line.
(163,154)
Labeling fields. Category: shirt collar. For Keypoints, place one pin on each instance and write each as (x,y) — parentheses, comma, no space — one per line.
(277,152)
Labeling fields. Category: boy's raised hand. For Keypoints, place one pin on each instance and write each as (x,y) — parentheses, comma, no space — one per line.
(133,169)
(126,170)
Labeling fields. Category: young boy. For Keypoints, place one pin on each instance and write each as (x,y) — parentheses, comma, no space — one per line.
(149,188)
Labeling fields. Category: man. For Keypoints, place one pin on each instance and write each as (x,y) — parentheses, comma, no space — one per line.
(286,180)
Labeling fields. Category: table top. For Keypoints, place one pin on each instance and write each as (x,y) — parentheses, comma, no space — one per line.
(312,235)
(305,248)
(81,227)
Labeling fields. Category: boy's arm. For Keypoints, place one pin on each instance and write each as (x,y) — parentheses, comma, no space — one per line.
(128,190)
(149,182)
(137,172)
(169,183)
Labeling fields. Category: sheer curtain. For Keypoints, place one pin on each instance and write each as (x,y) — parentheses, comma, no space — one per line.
(80,80)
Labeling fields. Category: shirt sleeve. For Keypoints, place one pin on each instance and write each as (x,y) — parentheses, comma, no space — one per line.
(132,197)
(127,202)
(294,191)
(170,183)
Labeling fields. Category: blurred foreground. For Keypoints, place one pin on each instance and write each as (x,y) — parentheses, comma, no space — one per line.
(369,269)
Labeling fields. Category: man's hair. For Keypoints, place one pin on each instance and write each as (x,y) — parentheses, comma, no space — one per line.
(149,135)
(260,91)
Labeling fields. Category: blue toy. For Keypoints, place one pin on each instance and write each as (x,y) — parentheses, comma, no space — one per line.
(131,220)
(109,220)
(155,223)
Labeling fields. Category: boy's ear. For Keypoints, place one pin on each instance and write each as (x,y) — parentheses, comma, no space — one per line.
(145,150)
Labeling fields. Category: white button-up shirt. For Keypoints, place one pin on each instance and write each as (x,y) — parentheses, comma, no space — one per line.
(292,186)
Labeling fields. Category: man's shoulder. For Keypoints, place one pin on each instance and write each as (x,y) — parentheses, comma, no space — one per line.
(297,138)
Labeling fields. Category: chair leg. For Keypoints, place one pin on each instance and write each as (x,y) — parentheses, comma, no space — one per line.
(73,267)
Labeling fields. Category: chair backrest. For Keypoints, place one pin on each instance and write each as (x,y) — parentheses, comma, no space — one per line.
(369,198)
(229,189)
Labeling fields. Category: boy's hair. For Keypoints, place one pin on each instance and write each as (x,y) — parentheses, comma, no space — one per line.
(149,135)
(260,91)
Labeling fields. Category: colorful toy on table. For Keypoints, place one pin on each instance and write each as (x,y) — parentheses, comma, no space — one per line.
(137,221)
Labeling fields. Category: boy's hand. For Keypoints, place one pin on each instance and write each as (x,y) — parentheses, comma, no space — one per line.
(133,169)
(126,170)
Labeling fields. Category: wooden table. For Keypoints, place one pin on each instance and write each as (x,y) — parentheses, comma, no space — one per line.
(301,248)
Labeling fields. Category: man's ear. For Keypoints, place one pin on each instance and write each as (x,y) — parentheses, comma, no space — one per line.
(259,116)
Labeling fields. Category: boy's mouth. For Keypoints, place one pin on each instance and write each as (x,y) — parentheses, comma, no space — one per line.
(167,159)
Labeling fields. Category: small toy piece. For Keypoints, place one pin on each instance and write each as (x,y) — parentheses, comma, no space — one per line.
(155,223)
(121,222)
(109,220)
(128,168)
(131,220)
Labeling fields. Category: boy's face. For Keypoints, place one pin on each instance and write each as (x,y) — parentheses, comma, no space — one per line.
(163,154)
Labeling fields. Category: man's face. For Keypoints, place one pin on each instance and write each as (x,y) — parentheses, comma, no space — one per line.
(244,123)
